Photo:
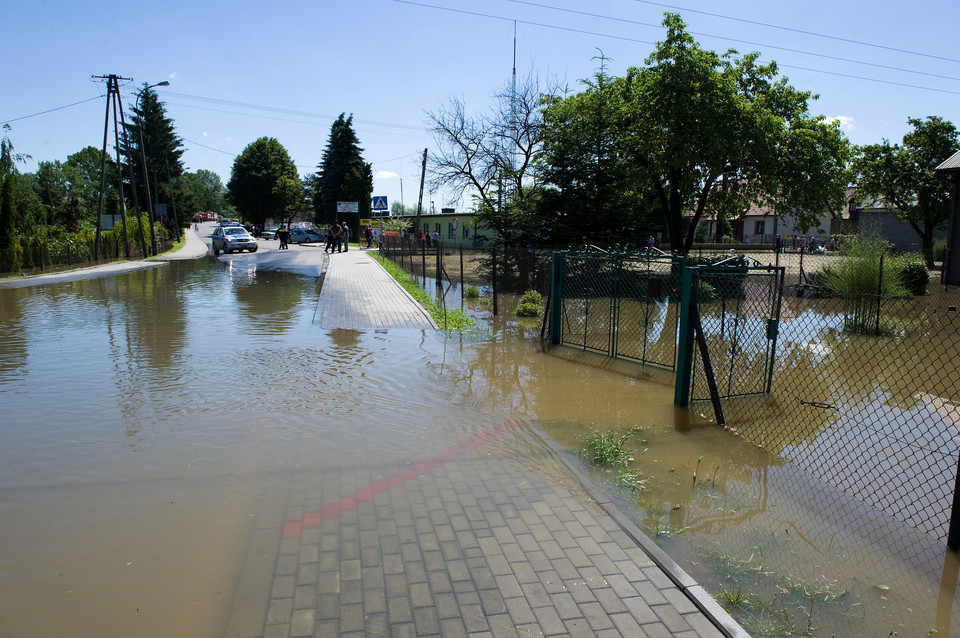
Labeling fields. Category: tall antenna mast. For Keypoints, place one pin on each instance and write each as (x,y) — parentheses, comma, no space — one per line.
(513,105)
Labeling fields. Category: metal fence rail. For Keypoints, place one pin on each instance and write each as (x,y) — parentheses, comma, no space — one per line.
(496,268)
(38,258)
(874,415)
(623,305)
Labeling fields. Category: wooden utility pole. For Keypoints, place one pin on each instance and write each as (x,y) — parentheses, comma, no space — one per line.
(423,176)
(113,94)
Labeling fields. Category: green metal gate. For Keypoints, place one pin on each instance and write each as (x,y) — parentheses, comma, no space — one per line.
(621,304)
(736,307)
(653,308)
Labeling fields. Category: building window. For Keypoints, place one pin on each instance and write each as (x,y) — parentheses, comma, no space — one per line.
(760,225)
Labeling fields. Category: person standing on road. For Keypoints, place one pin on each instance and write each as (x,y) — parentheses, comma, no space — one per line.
(335,237)
(368,234)
(284,237)
(345,234)
(328,235)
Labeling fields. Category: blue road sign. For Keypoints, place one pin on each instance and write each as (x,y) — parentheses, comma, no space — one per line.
(379,202)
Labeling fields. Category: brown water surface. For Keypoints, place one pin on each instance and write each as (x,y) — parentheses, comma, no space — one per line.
(152,421)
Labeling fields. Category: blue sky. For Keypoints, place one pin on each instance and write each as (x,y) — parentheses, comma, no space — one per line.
(242,70)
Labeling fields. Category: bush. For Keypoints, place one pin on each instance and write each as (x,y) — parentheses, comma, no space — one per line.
(527,310)
(471,292)
(914,275)
(705,292)
(531,296)
(529,305)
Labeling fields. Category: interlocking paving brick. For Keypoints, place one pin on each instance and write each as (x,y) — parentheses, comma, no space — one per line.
(482,547)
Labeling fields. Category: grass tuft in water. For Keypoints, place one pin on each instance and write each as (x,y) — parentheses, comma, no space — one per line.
(609,452)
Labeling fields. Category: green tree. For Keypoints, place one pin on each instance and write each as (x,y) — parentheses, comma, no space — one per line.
(342,176)
(10,250)
(590,187)
(398,209)
(199,192)
(901,177)
(707,131)
(82,172)
(9,243)
(162,147)
(264,182)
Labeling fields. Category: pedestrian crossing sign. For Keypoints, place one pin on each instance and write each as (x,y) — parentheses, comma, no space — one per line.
(379,202)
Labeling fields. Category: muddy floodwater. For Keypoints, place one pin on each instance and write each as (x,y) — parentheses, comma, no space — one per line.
(148,420)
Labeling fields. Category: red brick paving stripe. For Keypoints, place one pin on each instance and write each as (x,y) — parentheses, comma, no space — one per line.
(331,511)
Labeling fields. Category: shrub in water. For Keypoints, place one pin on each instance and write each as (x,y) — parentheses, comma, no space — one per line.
(529,304)
(705,292)
(527,310)
(471,292)
(913,274)
(532,296)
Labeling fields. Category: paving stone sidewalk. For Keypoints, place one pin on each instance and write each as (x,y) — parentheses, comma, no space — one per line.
(358,294)
(497,536)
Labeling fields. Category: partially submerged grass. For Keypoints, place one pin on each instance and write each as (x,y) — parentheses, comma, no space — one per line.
(609,452)
(766,603)
(449,320)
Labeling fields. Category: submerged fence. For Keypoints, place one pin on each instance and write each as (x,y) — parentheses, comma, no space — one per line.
(497,269)
(874,415)
(862,392)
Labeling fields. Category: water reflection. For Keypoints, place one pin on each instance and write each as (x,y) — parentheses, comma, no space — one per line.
(153,421)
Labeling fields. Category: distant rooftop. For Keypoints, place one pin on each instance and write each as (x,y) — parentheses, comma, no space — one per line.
(952,164)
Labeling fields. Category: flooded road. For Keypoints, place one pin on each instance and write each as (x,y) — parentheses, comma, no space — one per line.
(153,421)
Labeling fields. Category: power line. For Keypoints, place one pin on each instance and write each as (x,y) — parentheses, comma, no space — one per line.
(749,42)
(276,109)
(801,31)
(59,108)
(210,148)
(615,37)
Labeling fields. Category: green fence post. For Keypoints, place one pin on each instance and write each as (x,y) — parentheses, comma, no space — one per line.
(556,296)
(681,395)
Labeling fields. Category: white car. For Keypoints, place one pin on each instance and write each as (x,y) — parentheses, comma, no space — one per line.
(231,238)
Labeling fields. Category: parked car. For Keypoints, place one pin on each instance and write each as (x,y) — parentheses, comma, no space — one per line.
(269,233)
(304,235)
(231,238)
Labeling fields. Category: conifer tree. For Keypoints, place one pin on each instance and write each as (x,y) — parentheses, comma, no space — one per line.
(342,176)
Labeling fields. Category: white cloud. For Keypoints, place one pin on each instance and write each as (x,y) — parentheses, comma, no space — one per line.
(846,122)
(385,175)
(173,75)
(205,134)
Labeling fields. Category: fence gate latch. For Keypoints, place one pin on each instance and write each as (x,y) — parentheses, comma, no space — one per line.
(773,326)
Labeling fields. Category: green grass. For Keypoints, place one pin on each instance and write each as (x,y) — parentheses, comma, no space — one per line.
(609,452)
(454,321)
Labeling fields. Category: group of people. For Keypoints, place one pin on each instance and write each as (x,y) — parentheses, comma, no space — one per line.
(337,237)
(427,237)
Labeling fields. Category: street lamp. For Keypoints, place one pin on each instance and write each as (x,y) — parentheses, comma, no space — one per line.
(143,160)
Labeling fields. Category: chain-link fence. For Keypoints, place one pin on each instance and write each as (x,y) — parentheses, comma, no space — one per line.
(870,406)
(36,257)
(498,269)
(624,305)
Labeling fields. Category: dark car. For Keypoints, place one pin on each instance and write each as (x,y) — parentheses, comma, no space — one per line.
(231,238)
